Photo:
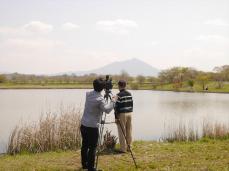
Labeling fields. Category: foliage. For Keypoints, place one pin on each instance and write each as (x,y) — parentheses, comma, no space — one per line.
(140,79)
(191,83)
(171,79)
(2,78)
(203,79)
(109,141)
(177,74)
(134,86)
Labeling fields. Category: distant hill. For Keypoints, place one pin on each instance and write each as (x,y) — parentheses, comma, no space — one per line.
(133,67)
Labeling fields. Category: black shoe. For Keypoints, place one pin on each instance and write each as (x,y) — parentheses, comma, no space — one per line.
(84,165)
(92,169)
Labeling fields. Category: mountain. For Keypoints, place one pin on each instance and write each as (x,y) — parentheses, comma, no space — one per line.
(133,67)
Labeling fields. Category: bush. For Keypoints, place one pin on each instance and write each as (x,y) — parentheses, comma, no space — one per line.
(134,86)
(2,78)
(109,141)
(190,83)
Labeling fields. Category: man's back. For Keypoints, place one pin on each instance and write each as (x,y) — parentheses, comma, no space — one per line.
(95,105)
(92,113)
(123,114)
(124,103)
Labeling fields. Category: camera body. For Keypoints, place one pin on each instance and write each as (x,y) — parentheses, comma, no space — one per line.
(108,83)
(107,87)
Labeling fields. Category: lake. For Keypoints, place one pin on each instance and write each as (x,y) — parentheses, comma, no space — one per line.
(153,110)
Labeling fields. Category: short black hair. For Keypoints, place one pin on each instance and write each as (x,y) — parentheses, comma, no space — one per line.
(98,84)
(122,83)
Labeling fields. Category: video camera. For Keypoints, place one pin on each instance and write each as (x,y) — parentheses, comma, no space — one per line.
(107,87)
(108,83)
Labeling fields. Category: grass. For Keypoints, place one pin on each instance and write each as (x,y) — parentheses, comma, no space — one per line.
(205,154)
(167,87)
(212,88)
(45,86)
(180,150)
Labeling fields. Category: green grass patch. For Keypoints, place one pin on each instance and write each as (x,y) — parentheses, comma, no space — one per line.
(201,155)
(212,87)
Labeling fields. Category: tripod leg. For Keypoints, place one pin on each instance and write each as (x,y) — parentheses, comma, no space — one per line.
(99,145)
(127,143)
(100,141)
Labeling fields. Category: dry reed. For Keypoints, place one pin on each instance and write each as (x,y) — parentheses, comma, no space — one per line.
(52,132)
(190,133)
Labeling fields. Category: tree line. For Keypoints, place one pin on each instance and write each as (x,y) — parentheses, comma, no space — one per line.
(178,76)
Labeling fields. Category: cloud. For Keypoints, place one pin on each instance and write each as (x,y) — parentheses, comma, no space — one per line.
(69,26)
(27,29)
(119,26)
(217,22)
(38,27)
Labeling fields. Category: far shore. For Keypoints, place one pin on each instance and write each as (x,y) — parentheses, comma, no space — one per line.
(88,86)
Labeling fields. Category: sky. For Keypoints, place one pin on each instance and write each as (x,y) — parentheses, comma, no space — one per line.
(52,36)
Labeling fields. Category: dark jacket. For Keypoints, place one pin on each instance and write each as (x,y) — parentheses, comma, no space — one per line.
(124,103)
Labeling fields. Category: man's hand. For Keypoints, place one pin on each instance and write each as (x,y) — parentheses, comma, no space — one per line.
(114,98)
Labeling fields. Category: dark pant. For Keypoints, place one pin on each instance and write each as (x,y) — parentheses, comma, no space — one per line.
(89,144)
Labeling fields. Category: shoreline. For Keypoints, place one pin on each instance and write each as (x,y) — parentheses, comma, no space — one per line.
(56,87)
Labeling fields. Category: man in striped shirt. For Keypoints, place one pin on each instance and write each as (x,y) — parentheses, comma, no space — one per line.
(123,115)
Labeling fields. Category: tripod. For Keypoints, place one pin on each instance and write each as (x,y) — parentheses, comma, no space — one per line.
(128,145)
(107,96)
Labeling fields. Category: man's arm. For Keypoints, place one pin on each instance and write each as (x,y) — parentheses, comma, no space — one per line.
(106,107)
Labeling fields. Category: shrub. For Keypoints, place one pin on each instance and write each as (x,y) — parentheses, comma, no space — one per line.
(109,141)
(134,86)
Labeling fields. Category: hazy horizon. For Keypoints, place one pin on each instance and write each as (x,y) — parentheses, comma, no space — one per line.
(54,36)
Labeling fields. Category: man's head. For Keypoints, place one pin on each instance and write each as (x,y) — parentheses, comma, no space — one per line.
(98,84)
(121,84)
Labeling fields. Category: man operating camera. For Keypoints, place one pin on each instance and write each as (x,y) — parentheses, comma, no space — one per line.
(95,105)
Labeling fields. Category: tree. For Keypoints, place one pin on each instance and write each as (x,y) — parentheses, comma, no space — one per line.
(2,78)
(203,78)
(177,75)
(152,80)
(191,83)
(140,79)
(221,75)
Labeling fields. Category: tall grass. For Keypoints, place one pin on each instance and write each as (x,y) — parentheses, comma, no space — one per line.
(215,130)
(52,132)
(190,132)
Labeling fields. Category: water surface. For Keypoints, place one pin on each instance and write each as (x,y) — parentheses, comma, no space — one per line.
(153,110)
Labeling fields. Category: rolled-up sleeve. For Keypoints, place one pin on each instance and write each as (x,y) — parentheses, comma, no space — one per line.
(106,107)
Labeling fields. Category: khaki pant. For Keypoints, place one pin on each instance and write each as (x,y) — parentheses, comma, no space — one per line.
(125,121)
